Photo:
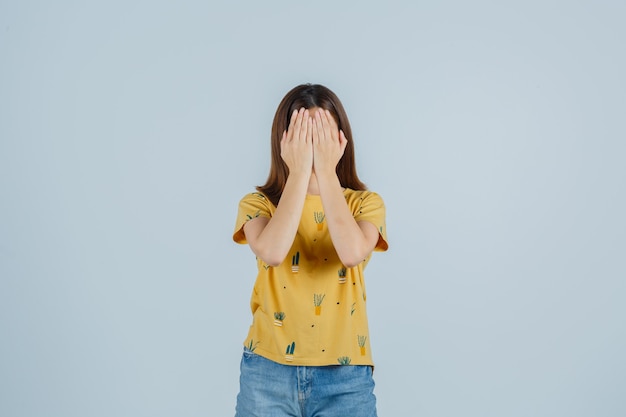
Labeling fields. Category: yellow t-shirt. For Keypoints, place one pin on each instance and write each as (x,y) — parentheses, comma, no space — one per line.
(311,310)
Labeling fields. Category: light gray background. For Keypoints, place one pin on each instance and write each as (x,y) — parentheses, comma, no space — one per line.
(493,130)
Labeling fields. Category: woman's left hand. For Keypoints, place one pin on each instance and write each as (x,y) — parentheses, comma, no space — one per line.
(329,143)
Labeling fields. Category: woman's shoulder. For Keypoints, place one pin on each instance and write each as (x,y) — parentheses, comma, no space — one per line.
(352,195)
(256,199)
(257,195)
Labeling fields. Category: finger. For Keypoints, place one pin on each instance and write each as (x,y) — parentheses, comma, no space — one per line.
(318,127)
(304,124)
(309,135)
(320,124)
(292,122)
(283,143)
(315,134)
(334,127)
(328,128)
(331,119)
(343,141)
(297,126)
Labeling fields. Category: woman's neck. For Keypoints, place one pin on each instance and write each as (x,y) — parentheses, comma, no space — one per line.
(313,188)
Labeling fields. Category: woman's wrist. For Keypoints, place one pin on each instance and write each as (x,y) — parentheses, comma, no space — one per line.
(327,179)
(299,176)
(326,173)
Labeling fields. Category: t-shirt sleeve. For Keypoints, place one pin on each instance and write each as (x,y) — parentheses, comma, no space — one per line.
(250,206)
(372,209)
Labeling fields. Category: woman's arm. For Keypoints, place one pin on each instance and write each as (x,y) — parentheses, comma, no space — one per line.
(271,239)
(354,241)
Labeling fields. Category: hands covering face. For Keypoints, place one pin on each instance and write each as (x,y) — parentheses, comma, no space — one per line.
(313,142)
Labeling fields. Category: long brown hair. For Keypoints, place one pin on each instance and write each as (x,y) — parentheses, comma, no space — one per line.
(309,96)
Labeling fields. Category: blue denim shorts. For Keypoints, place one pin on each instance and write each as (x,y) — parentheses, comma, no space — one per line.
(269,389)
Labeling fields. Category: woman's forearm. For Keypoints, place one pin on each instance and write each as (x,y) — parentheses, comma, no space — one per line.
(271,242)
(351,243)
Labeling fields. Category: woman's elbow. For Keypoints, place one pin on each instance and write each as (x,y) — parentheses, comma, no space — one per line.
(352,260)
(351,263)
(355,256)
(272,259)
(273,263)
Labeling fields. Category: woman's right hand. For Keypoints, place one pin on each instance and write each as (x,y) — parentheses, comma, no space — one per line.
(296,146)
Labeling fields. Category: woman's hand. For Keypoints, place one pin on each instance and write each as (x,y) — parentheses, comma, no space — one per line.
(296,146)
(271,239)
(329,143)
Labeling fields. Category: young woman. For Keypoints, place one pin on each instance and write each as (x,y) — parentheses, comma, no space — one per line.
(313,227)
